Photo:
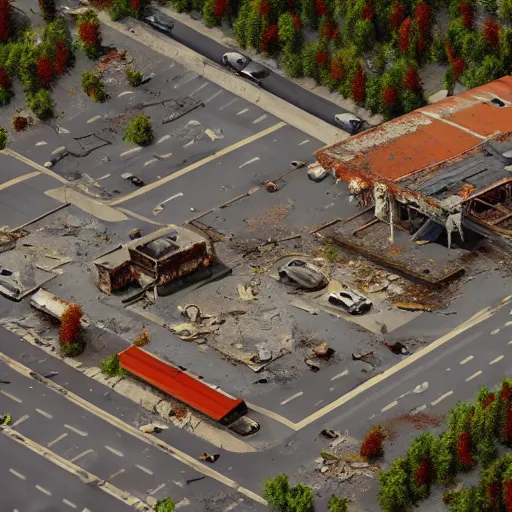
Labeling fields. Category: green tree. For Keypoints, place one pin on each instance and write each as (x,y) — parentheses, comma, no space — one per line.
(337,504)
(445,456)
(5,96)
(93,86)
(165,505)
(363,35)
(139,131)
(134,77)
(394,493)
(466,500)
(505,9)
(277,490)
(42,104)
(240,24)
(3,138)
(300,499)
(420,455)
(56,31)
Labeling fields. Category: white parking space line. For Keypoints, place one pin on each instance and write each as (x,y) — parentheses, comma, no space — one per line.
(80,455)
(193,76)
(69,503)
(164,138)
(389,406)
(251,161)
(218,93)
(418,409)
(474,376)
(261,118)
(76,430)
(508,324)
(19,475)
(114,451)
(293,397)
(342,374)
(44,413)
(228,104)
(243,111)
(43,490)
(441,398)
(145,470)
(497,360)
(12,397)
(130,151)
(496,331)
(95,118)
(20,420)
(117,473)
(156,489)
(303,142)
(200,88)
(55,441)
(469,358)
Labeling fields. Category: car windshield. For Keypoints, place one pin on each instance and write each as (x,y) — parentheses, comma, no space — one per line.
(259,73)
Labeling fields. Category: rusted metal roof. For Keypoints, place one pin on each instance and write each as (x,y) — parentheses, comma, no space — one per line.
(181,386)
(425,137)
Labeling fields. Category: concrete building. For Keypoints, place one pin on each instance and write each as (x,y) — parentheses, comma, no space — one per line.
(444,168)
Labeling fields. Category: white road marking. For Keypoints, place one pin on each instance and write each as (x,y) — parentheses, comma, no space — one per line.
(12,397)
(293,397)
(418,409)
(474,376)
(496,331)
(229,103)
(80,455)
(146,470)
(510,342)
(130,151)
(318,403)
(303,142)
(497,360)
(389,406)
(218,93)
(420,388)
(19,475)
(43,490)
(163,157)
(199,89)
(189,143)
(164,138)
(508,324)
(441,398)
(69,503)
(20,420)
(193,76)
(342,374)
(125,93)
(117,473)
(114,451)
(332,389)
(251,161)
(95,118)
(149,162)
(76,430)
(44,413)
(229,508)
(262,118)
(464,361)
(156,489)
(243,111)
(41,143)
(56,440)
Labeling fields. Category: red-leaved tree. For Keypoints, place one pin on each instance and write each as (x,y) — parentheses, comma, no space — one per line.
(321,8)
(397,15)
(492,33)
(322,59)
(337,69)
(424,472)
(459,65)
(44,71)
(368,12)
(5,79)
(390,96)
(412,79)
(265,8)
(296,21)
(372,445)
(220,8)
(5,19)
(269,39)
(61,58)
(466,12)
(507,495)
(404,33)
(330,30)
(464,451)
(358,89)
(70,326)
(423,17)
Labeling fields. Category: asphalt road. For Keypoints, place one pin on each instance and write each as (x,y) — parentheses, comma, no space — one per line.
(31,483)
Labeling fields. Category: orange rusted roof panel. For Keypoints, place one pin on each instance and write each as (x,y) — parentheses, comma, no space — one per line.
(179,385)
(484,119)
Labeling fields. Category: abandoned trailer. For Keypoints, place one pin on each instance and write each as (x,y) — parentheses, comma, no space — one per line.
(156,259)
(444,168)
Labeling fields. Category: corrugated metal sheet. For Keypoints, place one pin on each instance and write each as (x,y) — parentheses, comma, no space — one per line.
(181,386)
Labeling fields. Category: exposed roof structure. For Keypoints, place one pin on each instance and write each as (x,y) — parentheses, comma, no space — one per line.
(425,138)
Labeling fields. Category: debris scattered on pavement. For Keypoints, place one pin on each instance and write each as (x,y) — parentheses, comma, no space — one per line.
(413,306)
(369,358)
(244,426)
(192,480)
(397,348)
(264,353)
(134,234)
(151,428)
(330,434)
(323,351)
(5,419)
(261,381)
(5,381)
(199,326)
(271,186)
(51,374)
(312,365)
(246,292)
(208,457)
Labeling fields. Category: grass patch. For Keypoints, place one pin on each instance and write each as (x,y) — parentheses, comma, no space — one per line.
(110,366)
(331,253)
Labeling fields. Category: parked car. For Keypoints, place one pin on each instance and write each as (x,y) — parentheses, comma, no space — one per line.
(351,301)
(160,22)
(349,123)
(245,67)
(302,274)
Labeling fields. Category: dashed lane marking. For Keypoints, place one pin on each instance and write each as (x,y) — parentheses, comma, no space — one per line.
(19,475)
(293,397)
(474,376)
(497,360)
(80,455)
(43,490)
(508,324)
(130,151)
(156,489)
(12,397)
(218,93)
(469,358)
(145,470)
(261,118)
(95,118)
(20,420)
(228,104)
(114,451)
(163,139)
(200,88)
(496,331)
(117,473)
(76,430)
(342,374)
(44,413)
(441,398)
(149,162)
(68,503)
(249,162)
(245,110)
(418,409)
(193,76)
(389,406)
(125,93)
(56,440)
(303,142)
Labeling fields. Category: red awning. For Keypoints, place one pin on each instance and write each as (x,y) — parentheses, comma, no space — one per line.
(180,385)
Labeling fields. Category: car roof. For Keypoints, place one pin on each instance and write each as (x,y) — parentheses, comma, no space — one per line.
(255,67)
(347,116)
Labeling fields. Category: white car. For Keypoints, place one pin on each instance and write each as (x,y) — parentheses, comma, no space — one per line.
(351,301)
(245,67)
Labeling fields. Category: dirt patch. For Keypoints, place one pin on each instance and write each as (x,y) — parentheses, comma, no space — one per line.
(420,421)
(271,218)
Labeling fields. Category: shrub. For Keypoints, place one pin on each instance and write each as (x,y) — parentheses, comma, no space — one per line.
(41,104)
(139,131)
(110,366)
(358,88)
(3,139)
(89,33)
(62,57)
(44,71)
(5,79)
(27,68)
(372,445)
(5,96)
(72,349)
(465,500)
(337,504)
(48,9)
(421,472)
(134,77)
(70,324)
(394,493)
(165,505)
(300,499)
(93,86)
(120,9)
(492,33)
(5,19)
(276,492)
(142,339)
(505,9)
(19,123)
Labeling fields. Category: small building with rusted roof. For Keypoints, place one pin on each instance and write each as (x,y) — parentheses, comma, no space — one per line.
(448,164)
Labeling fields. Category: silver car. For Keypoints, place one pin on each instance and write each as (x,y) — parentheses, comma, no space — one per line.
(245,67)
(302,274)
(351,301)
(160,22)
(349,123)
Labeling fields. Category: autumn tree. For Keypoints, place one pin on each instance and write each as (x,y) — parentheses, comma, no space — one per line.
(70,324)
(372,445)
(89,33)
(44,71)
(5,19)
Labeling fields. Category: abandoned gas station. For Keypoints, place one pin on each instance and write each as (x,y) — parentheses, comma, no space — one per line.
(441,170)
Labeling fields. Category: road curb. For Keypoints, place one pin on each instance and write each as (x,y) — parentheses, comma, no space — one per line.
(86,477)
